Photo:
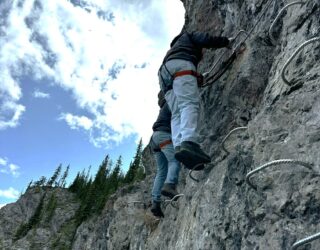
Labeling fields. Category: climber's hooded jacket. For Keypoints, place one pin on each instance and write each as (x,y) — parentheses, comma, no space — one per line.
(188,46)
(163,122)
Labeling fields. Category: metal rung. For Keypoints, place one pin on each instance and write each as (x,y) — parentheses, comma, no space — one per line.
(276,162)
(135,202)
(173,199)
(315,39)
(305,241)
(193,169)
(228,135)
(273,40)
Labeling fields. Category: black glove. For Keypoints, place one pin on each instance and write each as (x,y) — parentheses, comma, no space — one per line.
(231,42)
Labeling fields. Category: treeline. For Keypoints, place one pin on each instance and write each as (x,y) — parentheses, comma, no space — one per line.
(93,192)
(56,180)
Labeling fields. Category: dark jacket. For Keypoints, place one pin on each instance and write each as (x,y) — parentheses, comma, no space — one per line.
(188,46)
(163,122)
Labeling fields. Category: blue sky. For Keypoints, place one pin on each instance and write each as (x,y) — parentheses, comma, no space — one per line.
(78,82)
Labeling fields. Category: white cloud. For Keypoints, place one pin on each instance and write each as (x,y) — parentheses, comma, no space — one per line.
(3,161)
(10,112)
(39,94)
(9,193)
(76,48)
(14,170)
(76,122)
(9,168)
(2,205)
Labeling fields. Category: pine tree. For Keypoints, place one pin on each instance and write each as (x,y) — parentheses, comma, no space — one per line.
(55,176)
(100,186)
(114,179)
(81,184)
(129,176)
(75,185)
(136,170)
(29,185)
(40,182)
(62,181)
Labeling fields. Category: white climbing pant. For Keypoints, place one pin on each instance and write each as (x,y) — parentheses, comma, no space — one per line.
(183,101)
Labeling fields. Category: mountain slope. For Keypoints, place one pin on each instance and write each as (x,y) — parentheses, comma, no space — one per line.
(221,211)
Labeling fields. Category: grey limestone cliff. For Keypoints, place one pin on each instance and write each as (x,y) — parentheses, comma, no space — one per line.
(221,211)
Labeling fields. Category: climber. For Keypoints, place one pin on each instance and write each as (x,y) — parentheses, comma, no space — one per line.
(178,79)
(168,167)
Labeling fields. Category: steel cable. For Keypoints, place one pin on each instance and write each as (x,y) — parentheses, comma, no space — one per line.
(230,60)
(305,241)
(228,135)
(278,16)
(315,39)
(272,163)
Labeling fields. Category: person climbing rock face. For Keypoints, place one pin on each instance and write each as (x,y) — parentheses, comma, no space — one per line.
(178,79)
(168,167)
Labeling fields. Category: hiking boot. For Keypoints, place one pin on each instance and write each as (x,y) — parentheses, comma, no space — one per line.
(190,154)
(169,190)
(156,209)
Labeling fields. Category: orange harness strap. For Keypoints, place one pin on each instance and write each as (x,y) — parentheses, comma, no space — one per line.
(185,72)
(165,143)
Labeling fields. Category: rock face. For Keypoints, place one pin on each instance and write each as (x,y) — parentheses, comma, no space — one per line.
(221,211)
(51,210)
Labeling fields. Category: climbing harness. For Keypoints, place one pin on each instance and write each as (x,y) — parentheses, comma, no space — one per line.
(185,73)
(174,198)
(228,135)
(315,39)
(305,241)
(165,143)
(193,169)
(165,85)
(276,162)
(192,73)
(272,39)
(230,60)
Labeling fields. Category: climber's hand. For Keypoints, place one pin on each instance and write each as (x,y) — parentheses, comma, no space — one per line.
(231,42)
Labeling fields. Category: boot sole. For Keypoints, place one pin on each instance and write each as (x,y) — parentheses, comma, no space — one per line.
(189,161)
(168,194)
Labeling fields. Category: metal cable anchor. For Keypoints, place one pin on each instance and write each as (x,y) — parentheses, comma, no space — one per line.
(272,39)
(228,135)
(276,162)
(193,169)
(174,198)
(315,39)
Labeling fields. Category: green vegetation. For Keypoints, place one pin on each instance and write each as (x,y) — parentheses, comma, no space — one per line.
(51,206)
(91,192)
(136,170)
(62,239)
(34,220)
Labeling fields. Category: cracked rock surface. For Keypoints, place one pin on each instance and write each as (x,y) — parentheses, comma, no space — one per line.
(221,211)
